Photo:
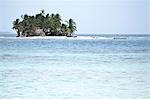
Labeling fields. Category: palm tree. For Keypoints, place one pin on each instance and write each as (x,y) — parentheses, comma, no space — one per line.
(40,19)
(15,26)
(52,15)
(43,12)
(57,24)
(58,17)
(50,24)
(64,29)
(20,28)
(71,27)
(47,16)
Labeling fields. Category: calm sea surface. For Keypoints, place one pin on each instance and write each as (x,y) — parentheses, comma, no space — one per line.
(75,69)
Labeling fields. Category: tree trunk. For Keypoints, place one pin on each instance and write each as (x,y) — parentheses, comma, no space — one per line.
(18,34)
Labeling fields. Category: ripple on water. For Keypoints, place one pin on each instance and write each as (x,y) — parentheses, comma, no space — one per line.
(58,83)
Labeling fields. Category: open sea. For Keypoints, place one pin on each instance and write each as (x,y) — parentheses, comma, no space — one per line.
(115,67)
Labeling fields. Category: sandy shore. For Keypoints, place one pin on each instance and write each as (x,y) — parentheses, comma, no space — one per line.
(59,37)
(64,37)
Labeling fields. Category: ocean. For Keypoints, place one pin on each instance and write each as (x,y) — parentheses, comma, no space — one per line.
(115,67)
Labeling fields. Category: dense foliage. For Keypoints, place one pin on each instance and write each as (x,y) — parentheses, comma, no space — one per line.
(41,24)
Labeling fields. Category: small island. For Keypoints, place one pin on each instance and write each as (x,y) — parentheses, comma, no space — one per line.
(44,25)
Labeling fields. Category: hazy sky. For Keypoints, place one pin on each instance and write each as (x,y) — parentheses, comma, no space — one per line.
(91,16)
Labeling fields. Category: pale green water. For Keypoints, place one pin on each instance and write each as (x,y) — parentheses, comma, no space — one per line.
(75,69)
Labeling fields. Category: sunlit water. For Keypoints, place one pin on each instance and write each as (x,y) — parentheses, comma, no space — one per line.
(75,69)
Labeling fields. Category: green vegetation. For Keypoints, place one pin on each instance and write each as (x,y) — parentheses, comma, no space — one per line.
(44,25)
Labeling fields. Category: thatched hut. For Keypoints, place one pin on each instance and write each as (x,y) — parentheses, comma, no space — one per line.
(39,32)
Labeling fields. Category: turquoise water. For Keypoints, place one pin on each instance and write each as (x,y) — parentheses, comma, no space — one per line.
(75,69)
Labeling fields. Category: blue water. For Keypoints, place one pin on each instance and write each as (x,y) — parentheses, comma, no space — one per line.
(75,69)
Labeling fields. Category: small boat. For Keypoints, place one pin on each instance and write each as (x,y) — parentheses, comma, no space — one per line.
(71,36)
(119,38)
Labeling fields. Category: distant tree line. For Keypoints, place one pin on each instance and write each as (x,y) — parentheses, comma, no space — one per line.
(45,25)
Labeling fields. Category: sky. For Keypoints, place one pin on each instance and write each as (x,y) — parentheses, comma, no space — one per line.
(91,16)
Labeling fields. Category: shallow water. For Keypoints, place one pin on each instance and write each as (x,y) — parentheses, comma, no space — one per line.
(75,69)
